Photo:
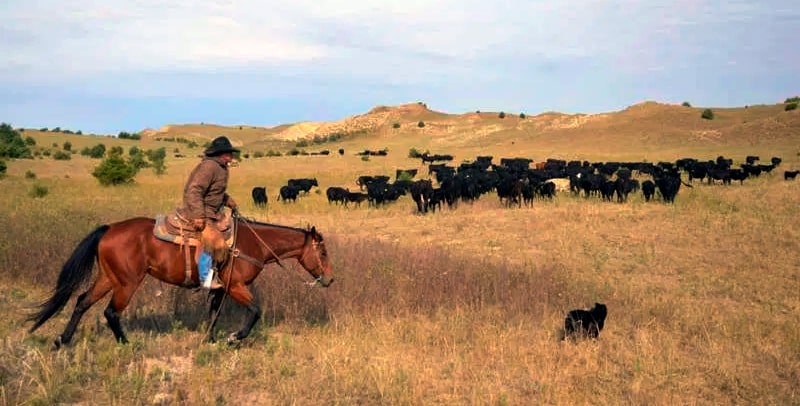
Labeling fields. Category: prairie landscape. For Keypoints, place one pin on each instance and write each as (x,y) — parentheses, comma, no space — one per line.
(462,306)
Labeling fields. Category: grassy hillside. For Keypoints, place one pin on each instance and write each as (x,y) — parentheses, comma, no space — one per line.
(463,306)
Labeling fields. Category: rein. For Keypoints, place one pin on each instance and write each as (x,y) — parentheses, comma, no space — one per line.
(254,261)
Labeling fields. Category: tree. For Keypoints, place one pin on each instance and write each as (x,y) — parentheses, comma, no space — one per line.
(67,146)
(502,115)
(156,158)
(686,104)
(795,99)
(114,171)
(396,125)
(790,106)
(421,124)
(11,143)
(707,114)
(522,115)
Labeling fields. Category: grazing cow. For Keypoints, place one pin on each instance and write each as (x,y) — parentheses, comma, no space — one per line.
(776,161)
(787,175)
(355,197)
(648,189)
(259,196)
(751,159)
(303,185)
(668,183)
(288,193)
(422,193)
(547,190)
(585,323)
(366,180)
(336,194)
(739,174)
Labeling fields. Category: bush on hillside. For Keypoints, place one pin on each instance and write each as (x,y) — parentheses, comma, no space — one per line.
(38,191)
(502,114)
(707,114)
(421,124)
(522,115)
(96,152)
(11,143)
(686,104)
(795,99)
(790,106)
(67,146)
(3,168)
(396,125)
(114,171)
(62,156)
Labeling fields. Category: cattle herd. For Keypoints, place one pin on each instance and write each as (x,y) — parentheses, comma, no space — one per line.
(519,181)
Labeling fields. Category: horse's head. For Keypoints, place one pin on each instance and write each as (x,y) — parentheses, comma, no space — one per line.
(315,258)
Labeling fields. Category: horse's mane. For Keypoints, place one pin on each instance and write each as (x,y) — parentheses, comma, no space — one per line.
(261,223)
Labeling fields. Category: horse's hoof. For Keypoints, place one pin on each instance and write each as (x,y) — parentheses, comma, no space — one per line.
(57,343)
(232,339)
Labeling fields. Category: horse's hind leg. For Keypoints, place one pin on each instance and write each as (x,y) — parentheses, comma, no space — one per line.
(84,302)
(242,295)
(216,302)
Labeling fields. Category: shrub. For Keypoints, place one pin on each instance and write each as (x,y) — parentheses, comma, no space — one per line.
(522,115)
(29,141)
(30,175)
(258,154)
(686,104)
(795,99)
(365,158)
(3,168)
(293,152)
(707,114)
(11,143)
(114,171)
(156,158)
(38,191)
(421,124)
(341,151)
(396,125)
(413,153)
(62,156)
(67,146)
(790,106)
(96,152)
(271,153)
(116,150)
(502,115)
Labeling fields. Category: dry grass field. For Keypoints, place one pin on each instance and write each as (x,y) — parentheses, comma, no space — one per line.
(463,306)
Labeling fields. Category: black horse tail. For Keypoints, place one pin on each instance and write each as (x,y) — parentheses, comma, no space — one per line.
(75,272)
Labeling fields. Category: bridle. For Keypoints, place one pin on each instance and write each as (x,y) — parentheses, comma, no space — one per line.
(262,264)
(314,247)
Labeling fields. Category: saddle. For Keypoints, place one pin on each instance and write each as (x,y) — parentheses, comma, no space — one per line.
(178,230)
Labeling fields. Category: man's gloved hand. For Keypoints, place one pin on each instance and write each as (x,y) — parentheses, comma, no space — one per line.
(199,224)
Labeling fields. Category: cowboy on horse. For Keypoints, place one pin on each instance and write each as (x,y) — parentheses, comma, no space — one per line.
(204,199)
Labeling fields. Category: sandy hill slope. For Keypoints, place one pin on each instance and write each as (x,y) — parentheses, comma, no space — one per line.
(643,126)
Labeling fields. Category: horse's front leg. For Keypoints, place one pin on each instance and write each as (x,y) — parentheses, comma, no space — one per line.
(213,312)
(242,295)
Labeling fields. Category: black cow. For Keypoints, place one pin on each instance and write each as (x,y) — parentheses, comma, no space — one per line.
(751,159)
(422,192)
(790,175)
(648,189)
(355,197)
(259,196)
(288,193)
(303,185)
(366,180)
(336,194)
(585,322)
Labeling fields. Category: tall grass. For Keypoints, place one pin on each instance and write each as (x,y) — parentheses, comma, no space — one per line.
(464,306)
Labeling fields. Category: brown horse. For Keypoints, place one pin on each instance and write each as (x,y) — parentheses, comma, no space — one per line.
(126,251)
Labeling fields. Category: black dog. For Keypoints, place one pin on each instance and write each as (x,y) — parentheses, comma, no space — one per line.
(585,322)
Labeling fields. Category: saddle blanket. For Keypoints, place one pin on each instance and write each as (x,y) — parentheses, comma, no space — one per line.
(168,231)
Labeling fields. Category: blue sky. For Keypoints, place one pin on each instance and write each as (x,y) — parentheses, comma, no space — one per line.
(106,66)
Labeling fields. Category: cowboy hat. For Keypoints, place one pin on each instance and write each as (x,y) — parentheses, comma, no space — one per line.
(220,145)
